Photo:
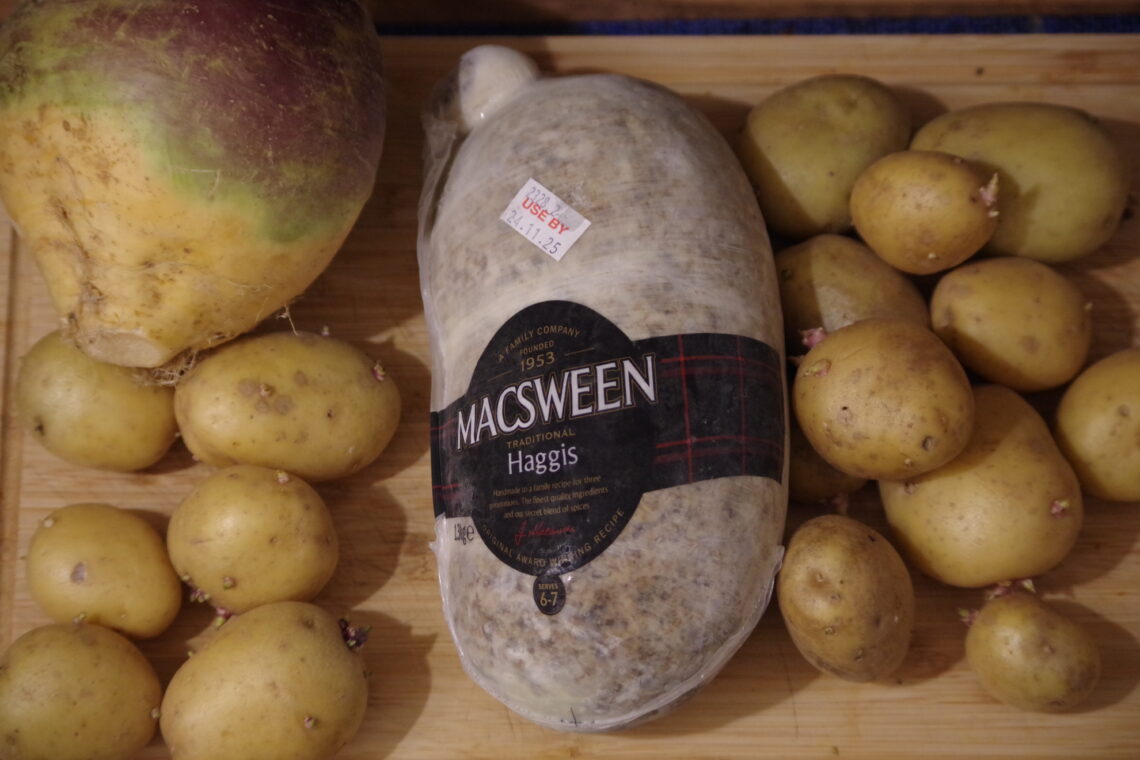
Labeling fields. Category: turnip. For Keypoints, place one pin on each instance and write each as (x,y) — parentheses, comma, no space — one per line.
(181,170)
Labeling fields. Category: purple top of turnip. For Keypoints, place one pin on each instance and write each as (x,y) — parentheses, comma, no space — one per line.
(285,97)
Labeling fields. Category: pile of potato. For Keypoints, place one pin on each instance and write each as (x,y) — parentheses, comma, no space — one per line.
(923,306)
(272,413)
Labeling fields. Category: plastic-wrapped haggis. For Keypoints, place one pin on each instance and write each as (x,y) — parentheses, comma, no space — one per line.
(608,446)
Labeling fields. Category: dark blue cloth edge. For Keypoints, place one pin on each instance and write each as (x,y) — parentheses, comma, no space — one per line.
(1117,23)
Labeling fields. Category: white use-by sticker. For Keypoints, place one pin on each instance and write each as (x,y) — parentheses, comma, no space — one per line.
(544,219)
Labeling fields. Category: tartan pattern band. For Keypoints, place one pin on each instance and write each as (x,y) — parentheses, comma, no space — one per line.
(719,413)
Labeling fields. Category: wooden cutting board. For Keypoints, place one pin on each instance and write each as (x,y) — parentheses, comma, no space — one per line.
(767,702)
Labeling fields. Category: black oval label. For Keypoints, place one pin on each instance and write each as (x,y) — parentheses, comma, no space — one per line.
(555,437)
(566,423)
(549,594)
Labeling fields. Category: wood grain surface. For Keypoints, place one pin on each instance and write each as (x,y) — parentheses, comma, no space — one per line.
(767,702)
(547,11)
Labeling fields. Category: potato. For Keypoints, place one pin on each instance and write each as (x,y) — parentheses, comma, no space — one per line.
(1007,507)
(883,398)
(248,535)
(76,692)
(91,413)
(804,145)
(1098,426)
(104,565)
(924,211)
(181,172)
(314,406)
(1027,654)
(1014,321)
(811,479)
(1064,182)
(278,681)
(846,598)
(830,281)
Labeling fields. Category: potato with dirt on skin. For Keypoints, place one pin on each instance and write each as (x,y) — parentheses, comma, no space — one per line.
(924,211)
(91,413)
(1008,507)
(803,146)
(1064,181)
(104,565)
(811,479)
(282,680)
(1097,426)
(847,599)
(830,281)
(1026,653)
(1014,321)
(883,398)
(311,405)
(76,691)
(249,535)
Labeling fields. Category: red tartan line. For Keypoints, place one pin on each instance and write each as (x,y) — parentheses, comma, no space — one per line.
(691,367)
(692,371)
(685,404)
(689,457)
(737,438)
(715,357)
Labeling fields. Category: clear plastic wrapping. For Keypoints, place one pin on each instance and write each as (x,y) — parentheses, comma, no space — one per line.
(608,401)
